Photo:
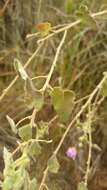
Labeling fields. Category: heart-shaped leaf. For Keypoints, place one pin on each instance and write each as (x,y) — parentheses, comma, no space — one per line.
(34,149)
(63,102)
(53,164)
(82,186)
(25,132)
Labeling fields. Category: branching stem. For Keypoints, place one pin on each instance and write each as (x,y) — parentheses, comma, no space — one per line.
(98,87)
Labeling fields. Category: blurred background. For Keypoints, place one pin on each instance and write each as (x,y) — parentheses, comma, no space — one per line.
(80,67)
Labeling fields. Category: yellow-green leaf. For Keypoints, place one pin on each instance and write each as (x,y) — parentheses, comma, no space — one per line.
(53,164)
(25,132)
(23,161)
(82,186)
(85,16)
(63,102)
(34,149)
(33,184)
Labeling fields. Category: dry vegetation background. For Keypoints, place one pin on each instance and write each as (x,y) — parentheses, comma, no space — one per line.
(80,67)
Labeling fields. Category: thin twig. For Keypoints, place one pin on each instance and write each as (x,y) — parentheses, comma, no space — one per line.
(23,119)
(90,147)
(54,62)
(5,6)
(32,122)
(39,77)
(52,120)
(43,179)
(46,187)
(88,170)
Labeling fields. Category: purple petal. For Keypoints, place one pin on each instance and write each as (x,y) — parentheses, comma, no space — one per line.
(72,152)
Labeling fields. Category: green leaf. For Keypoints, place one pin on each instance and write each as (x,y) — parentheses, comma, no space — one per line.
(57,98)
(34,149)
(33,184)
(19,178)
(12,124)
(23,161)
(8,161)
(25,132)
(63,102)
(104,89)
(8,183)
(85,16)
(53,164)
(68,104)
(39,101)
(82,186)
(9,170)
(14,180)
(6,155)
(19,67)
(69,6)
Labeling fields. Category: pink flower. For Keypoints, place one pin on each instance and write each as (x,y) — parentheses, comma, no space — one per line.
(72,152)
